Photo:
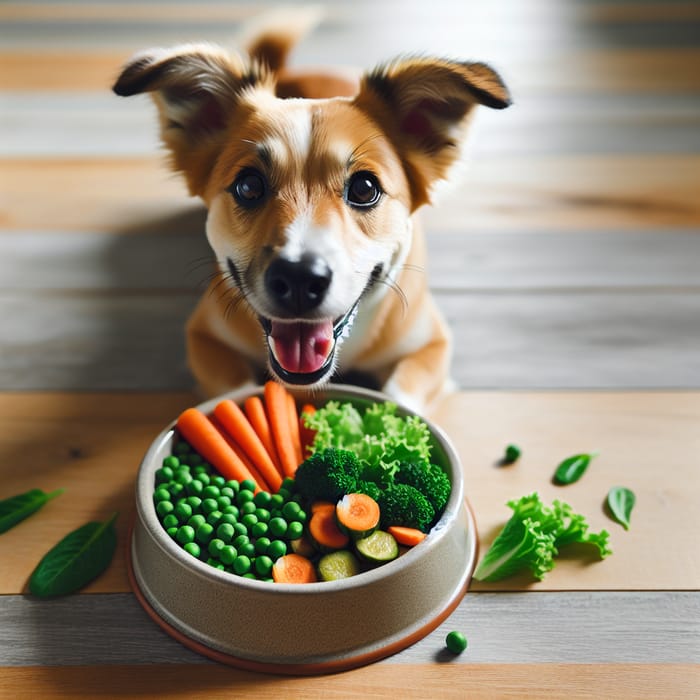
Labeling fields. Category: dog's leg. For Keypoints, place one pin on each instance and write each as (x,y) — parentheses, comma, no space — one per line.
(421,378)
(215,361)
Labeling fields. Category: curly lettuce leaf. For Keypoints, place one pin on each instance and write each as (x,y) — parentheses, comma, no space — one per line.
(380,438)
(532,538)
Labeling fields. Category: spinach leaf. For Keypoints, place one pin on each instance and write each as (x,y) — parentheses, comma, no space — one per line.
(572,468)
(16,508)
(620,502)
(76,560)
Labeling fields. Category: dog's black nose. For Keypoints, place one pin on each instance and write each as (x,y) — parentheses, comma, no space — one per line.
(298,286)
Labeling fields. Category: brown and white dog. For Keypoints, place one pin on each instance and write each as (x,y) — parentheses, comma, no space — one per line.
(311,181)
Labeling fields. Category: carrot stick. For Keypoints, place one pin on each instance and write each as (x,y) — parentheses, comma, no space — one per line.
(239,428)
(201,433)
(255,410)
(241,455)
(407,536)
(294,433)
(293,568)
(307,435)
(277,406)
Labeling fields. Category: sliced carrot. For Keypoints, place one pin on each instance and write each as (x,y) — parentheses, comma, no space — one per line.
(307,435)
(294,433)
(293,568)
(201,433)
(357,515)
(255,411)
(239,428)
(407,536)
(277,406)
(324,531)
(322,505)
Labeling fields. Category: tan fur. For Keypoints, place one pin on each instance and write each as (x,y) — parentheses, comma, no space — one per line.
(307,134)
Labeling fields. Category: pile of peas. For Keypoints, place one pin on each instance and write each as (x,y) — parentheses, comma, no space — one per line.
(223,523)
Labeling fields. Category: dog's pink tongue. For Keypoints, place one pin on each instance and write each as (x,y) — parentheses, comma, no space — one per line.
(302,347)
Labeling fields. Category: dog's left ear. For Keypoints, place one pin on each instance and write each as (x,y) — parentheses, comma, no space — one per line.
(196,89)
(424,105)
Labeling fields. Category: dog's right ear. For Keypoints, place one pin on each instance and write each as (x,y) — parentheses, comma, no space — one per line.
(196,89)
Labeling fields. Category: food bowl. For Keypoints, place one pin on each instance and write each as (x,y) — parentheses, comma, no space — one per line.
(302,628)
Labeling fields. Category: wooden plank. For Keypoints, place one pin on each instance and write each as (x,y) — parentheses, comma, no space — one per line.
(500,627)
(643,440)
(175,255)
(502,340)
(444,680)
(546,193)
(91,444)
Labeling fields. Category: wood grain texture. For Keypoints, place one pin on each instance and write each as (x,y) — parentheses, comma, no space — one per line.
(659,627)
(444,680)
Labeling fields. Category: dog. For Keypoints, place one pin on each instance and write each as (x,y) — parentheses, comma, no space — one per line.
(312,179)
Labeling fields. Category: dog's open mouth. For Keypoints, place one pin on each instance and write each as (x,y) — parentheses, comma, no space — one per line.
(303,352)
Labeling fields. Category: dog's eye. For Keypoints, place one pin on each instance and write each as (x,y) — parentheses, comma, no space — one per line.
(249,189)
(363,190)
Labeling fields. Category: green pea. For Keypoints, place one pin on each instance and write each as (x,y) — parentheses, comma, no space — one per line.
(291,510)
(276,501)
(248,507)
(262,514)
(171,462)
(175,488)
(277,549)
(209,505)
(295,530)
(240,540)
(231,510)
(218,481)
(185,534)
(162,494)
(196,520)
(284,494)
(512,454)
(278,527)
(242,565)
(233,485)
(182,447)
(164,475)
(172,531)
(262,499)
(249,520)
(204,532)
(248,485)
(227,491)
(214,516)
(228,518)
(223,501)
(261,545)
(192,548)
(215,546)
(259,529)
(194,487)
(216,564)
(456,642)
(263,565)
(183,476)
(247,550)
(287,484)
(228,555)
(194,501)
(225,532)
(164,507)
(243,497)
(183,511)
(251,576)
(170,521)
(240,529)
(210,491)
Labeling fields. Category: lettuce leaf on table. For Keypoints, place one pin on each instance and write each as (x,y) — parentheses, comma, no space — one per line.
(532,537)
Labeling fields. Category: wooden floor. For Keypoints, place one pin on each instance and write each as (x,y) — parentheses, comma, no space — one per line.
(568,264)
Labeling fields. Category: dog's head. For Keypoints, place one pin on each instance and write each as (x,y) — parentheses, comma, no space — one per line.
(310,200)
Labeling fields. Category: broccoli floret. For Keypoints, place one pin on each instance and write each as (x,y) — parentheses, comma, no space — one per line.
(328,475)
(370,488)
(429,479)
(402,504)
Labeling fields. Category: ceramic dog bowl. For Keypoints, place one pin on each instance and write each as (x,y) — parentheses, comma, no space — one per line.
(302,628)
